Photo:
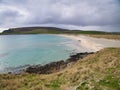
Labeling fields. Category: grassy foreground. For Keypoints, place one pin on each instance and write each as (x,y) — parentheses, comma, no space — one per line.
(99,71)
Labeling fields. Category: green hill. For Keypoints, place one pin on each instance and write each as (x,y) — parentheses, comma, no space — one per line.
(48,30)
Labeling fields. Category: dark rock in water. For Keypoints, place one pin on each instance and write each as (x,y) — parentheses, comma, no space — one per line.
(56,66)
(74,58)
(48,68)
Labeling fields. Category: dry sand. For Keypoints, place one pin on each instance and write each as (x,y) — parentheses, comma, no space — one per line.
(94,44)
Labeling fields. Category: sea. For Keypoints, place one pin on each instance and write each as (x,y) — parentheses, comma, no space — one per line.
(20,51)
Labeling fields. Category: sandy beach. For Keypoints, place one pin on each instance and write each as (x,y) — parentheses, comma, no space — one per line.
(93,44)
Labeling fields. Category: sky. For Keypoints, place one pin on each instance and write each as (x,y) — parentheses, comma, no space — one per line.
(102,15)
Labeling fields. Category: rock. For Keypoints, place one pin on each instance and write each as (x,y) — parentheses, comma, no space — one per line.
(56,66)
(48,68)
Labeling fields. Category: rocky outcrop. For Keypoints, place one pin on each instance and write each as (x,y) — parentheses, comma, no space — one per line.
(48,68)
(56,66)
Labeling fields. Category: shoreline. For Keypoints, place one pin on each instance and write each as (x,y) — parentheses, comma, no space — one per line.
(51,67)
(57,66)
(91,44)
(95,44)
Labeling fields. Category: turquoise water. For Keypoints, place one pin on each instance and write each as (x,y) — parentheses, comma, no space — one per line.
(20,50)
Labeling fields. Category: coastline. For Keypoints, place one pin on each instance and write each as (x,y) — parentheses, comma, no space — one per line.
(75,73)
(49,68)
(57,66)
(95,44)
(95,67)
(90,44)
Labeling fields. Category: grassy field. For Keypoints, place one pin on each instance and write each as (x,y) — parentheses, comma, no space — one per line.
(107,36)
(99,71)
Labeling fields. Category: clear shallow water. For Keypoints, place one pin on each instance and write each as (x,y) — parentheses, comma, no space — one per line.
(20,50)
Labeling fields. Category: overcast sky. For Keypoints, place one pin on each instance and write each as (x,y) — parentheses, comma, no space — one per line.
(101,15)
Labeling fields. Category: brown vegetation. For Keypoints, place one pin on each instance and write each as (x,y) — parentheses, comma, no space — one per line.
(107,36)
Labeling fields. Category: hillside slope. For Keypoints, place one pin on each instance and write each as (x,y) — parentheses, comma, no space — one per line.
(47,30)
(99,71)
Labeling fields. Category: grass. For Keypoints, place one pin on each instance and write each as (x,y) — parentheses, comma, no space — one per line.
(54,84)
(110,82)
(107,36)
(99,71)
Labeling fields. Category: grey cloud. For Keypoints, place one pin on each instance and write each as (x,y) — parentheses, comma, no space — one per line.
(62,13)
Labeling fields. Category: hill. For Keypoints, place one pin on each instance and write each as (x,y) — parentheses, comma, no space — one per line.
(99,71)
(54,30)
(48,30)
